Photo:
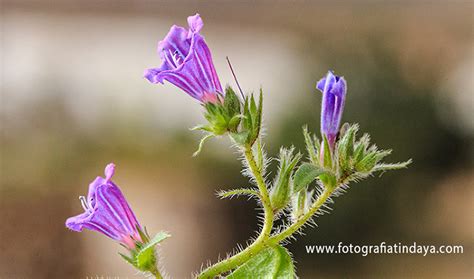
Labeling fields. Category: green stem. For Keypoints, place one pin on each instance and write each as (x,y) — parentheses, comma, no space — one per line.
(157,274)
(261,242)
(264,240)
(303,219)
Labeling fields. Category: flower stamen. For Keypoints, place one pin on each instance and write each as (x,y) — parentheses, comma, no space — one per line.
(85,204)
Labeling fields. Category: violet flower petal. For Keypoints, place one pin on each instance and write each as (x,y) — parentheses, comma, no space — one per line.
(107,211)
(187,62)
(334,93)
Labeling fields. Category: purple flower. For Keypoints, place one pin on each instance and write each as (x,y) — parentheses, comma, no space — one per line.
(334,94)
(187,62)
(107,212)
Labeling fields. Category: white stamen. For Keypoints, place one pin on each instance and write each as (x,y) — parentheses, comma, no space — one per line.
(84,203)
(175,57)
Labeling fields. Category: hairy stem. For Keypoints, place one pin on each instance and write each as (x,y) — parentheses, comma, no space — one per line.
(261,242)
(264,240)
(303,219)
(157,274)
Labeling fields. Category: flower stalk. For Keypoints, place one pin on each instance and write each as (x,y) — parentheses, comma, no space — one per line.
(262,240)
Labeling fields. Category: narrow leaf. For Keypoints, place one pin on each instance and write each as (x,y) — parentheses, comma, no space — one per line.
(237,192)
(310,147)
(395,166)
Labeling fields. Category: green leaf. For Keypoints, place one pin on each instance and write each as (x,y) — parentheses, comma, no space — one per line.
(328,180)
(395,166)
(327,154)
(258,117)
(305,174)
(271,263)
(367,163)
(299,205)
(145,258)
(345,147)
(238,192)
(361,147)
(281,190)
(231,101)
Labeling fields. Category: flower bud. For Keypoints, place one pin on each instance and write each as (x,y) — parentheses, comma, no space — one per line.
(334,94)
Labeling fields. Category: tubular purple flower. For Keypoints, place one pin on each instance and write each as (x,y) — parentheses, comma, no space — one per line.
(187,62)
(106,211)
(334,94)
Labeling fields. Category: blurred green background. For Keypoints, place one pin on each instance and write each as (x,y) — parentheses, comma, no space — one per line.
(73,99)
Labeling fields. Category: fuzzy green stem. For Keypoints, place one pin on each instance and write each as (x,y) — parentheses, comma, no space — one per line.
(261,242)
(303,219)
(264,240)
(157,274)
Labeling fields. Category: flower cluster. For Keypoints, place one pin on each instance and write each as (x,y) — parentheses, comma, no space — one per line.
(298,191)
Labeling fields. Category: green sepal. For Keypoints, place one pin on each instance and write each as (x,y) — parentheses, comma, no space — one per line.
(204,128)
(345,147)
(312,147)
(367,163)
(128,259)
(143,235)
(251,121)
(231,101)
(234,122)
(327,156)
(361,147)
(201,144)
(343,130)
(145,256)
(222,116)
(305,174)
(271,263)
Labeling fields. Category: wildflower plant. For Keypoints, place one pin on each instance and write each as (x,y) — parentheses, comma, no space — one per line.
(299,191)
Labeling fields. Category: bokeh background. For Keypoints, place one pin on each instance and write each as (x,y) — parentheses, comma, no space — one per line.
(73,99)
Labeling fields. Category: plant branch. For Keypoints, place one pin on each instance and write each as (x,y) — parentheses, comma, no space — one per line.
(157,274)
(275,239)
(265,239)
(261,242)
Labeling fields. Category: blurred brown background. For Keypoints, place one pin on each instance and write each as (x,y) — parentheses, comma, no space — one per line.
(73,99)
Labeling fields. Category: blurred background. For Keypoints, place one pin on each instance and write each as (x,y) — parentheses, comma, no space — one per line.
(73,99)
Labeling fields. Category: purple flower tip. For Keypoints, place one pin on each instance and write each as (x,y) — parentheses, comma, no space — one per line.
(195,24)
(109,171)
(334,94)
(106,211)
(187,62)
